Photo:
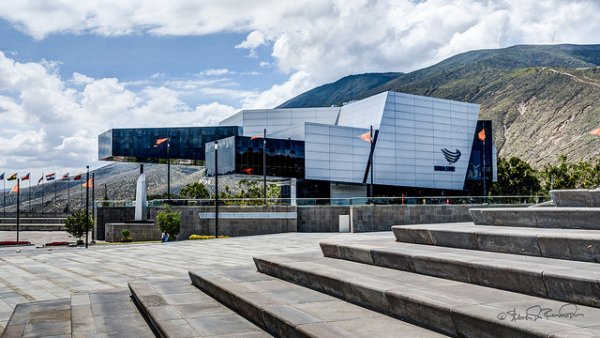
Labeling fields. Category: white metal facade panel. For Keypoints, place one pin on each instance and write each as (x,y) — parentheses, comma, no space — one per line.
(280,122)
(413,130)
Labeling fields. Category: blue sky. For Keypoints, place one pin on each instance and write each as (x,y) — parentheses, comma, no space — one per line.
(71,69)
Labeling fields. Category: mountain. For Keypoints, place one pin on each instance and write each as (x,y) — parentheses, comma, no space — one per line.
(348,86)
(542,99)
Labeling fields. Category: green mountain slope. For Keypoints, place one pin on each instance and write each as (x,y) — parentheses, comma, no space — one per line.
(542,99)
(338,91)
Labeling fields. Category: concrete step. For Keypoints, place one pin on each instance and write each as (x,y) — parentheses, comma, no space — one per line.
(178,309)
(454,308)
(576,197)
(289,310)
(575,282)
(571,244)
(40,319)
(107,314)
(544,217)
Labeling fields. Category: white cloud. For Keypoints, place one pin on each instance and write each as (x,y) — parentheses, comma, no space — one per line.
(215,72)
(52,125)
(277,94)
(253,40)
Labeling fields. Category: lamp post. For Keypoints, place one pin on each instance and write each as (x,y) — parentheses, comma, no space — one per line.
(87,202)
(18,196)
(93,208)
(169,168)
(265,164)
(371,158)
(216,189)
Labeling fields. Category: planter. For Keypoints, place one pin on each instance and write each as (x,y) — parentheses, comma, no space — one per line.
(123,240)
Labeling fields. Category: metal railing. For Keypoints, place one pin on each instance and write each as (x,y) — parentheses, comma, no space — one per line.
(408,201)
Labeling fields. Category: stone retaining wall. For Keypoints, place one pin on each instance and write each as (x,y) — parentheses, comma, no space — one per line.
(320,218)
(314,218)
(237,226)
(369,218)
(139,231)
(105,215)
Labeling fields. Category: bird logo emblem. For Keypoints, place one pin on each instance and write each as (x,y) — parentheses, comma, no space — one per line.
(451,156)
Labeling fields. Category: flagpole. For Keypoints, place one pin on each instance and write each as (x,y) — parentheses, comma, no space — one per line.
(68,195)
(29,191)
(484,171)
(43,192)
(87,202)
(55,199)
(371,158)
(265,164)
(4,193)
(18,194)
(93,207)
(169,168)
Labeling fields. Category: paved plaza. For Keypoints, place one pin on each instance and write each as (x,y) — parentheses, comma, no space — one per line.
(36,274)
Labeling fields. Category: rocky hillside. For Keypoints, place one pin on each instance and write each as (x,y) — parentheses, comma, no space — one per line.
(542,99)
(339,91)
(116,180)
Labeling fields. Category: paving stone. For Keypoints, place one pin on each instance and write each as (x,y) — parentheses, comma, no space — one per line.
(46,329)
(49,316)
(220,325)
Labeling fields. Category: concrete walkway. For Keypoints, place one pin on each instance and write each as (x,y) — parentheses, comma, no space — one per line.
(29,274)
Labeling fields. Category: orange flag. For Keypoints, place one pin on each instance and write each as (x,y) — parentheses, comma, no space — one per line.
(257,136)
(160,141)
(482,134)
(595,132)
(366,136)
(88,184)
(15,189)
(249,171)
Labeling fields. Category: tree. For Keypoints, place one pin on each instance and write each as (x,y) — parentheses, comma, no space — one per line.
(568,175)
(254,189)
(194,190)
(75,225)
(516,177)
(169,221)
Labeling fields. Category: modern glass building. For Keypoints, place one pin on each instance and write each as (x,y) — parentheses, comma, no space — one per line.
(139,144)
(420,145)
(244,155)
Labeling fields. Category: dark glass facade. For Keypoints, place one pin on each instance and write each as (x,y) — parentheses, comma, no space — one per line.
(480,164)
(138,145)
(285,158)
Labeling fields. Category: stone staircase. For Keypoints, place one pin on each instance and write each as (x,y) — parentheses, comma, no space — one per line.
(438,280)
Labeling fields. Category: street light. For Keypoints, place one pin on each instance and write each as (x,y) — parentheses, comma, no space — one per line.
(216,189)
(265,164)
(87,203)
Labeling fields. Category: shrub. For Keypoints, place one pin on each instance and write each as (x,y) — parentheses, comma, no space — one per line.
(170,222)
(125,233)
(75,225)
